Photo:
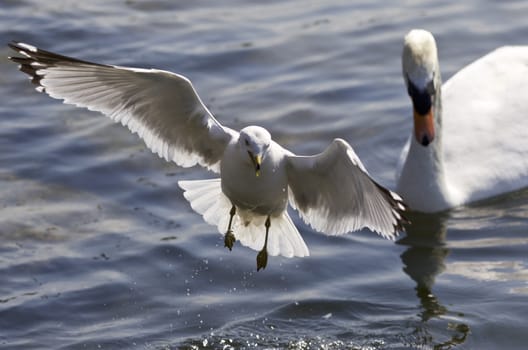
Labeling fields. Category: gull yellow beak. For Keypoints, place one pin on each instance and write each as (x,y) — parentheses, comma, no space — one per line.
(257,161)
(424,129)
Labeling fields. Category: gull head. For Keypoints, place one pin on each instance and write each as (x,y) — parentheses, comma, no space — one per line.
(255,140)
(421,74)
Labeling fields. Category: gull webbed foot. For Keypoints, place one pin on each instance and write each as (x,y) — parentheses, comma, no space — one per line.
(262,259)
(229,239)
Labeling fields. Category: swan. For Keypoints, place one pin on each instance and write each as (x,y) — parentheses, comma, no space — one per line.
(470,137)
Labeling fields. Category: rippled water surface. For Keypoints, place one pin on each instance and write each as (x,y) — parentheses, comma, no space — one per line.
(99,250)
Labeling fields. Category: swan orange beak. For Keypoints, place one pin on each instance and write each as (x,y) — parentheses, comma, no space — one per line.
(424,129)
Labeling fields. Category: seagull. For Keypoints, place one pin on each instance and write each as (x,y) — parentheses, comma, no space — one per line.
(332,191)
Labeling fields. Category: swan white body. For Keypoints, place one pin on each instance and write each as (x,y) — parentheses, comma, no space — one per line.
(258,178)
(480,146)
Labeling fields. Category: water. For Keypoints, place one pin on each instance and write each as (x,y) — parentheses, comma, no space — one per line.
(99,250)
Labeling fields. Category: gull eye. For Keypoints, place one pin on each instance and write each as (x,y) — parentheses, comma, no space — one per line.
(247,142)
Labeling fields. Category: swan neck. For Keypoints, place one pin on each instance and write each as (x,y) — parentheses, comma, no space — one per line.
(422,182)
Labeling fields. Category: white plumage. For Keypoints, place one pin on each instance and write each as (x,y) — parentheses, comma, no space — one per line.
(480,146)
(332,191)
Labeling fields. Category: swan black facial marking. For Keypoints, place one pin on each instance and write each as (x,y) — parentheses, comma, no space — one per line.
(422,99)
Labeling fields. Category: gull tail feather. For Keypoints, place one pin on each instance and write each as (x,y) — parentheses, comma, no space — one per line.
(207,199)
(283,238)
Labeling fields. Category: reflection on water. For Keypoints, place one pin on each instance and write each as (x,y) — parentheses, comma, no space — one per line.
(423,261)
(503,259)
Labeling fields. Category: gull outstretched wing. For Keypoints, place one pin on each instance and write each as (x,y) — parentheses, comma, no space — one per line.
(163,108)
(335,194)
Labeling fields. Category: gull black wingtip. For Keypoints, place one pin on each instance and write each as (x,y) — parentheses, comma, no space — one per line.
(403,220)
(399,207)
(13,45)
(28,62)
(21,47)
(48,58)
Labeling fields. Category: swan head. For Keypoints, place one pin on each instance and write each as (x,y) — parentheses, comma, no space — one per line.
(421,74)
(255,140)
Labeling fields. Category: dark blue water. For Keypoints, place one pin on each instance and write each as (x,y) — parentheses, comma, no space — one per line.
(99,249)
